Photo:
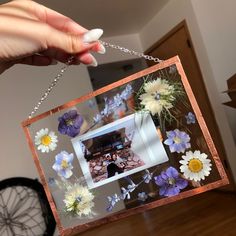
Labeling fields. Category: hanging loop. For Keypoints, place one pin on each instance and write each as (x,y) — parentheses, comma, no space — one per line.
(131,52)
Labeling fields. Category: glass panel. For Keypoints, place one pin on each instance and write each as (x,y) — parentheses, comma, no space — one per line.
(132,145)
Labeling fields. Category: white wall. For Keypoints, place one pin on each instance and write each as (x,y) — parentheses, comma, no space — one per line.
(20,89)
(212,30)
(219,34)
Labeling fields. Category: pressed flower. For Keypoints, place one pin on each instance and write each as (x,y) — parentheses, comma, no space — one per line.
(158,95)
(79,201)
(142,196)
(45,141)
(109,107)
(195,165)
(117,101)
(170,182)
(147,177)
(131,187)
(97,118)
(178,141)
(112,201)
(190,118)
(125,193)
(63,164)
(127,92)
(111,104)
(70,123)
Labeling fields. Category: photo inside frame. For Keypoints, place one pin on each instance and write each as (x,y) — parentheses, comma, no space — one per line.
(131,146)
(121,148)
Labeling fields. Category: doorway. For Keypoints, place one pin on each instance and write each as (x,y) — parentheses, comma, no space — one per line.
(178,42)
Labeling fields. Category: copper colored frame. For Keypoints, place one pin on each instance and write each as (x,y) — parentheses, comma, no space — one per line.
(124,213)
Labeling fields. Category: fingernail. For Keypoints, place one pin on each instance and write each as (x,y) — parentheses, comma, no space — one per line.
(102,49)
(92,35)
(94,61)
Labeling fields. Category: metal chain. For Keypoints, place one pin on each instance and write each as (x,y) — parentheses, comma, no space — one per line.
(131,52)
(51,86)
(70,60)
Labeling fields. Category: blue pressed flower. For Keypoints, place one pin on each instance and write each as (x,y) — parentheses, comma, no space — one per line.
(178,141)
(112,201)
(70,123)
(170,182)
(117,101)
(142,196)
(109,106)
(132,186)
(190,118)
(63,164)
(147,177)
(125,193)
(127,92)
(51,181)
(97,118)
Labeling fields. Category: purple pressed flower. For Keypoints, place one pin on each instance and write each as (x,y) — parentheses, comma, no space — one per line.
(190,118)
(142,196)
(178,141)
(147,177)
(112,201)
(170,182)
(70,123)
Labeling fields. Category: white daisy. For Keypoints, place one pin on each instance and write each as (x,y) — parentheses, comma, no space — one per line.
(158,96)
(79,200)
(195,165)
(45,141)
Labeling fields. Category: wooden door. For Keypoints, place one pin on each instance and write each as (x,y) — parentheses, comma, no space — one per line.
(178,42)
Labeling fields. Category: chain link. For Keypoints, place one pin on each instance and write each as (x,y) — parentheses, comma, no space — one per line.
(70,60)
(131,52)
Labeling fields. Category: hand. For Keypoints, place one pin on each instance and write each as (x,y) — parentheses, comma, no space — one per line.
(35,35)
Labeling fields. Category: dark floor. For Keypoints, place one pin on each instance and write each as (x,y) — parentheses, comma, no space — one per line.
(212,213)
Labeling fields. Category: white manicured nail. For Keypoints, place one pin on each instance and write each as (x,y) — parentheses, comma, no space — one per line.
(94,61)
(102,49)
(92,35)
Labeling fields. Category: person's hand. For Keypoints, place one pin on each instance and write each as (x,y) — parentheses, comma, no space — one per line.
(35,35)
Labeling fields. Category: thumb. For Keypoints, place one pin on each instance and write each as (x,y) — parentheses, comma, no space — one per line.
(72,44)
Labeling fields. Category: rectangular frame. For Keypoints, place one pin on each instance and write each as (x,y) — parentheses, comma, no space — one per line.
(73,230)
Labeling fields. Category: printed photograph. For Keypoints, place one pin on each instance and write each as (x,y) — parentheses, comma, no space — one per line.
(121,148)
(110,154)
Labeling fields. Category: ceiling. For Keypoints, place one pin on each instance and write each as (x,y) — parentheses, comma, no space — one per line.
(114,17)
